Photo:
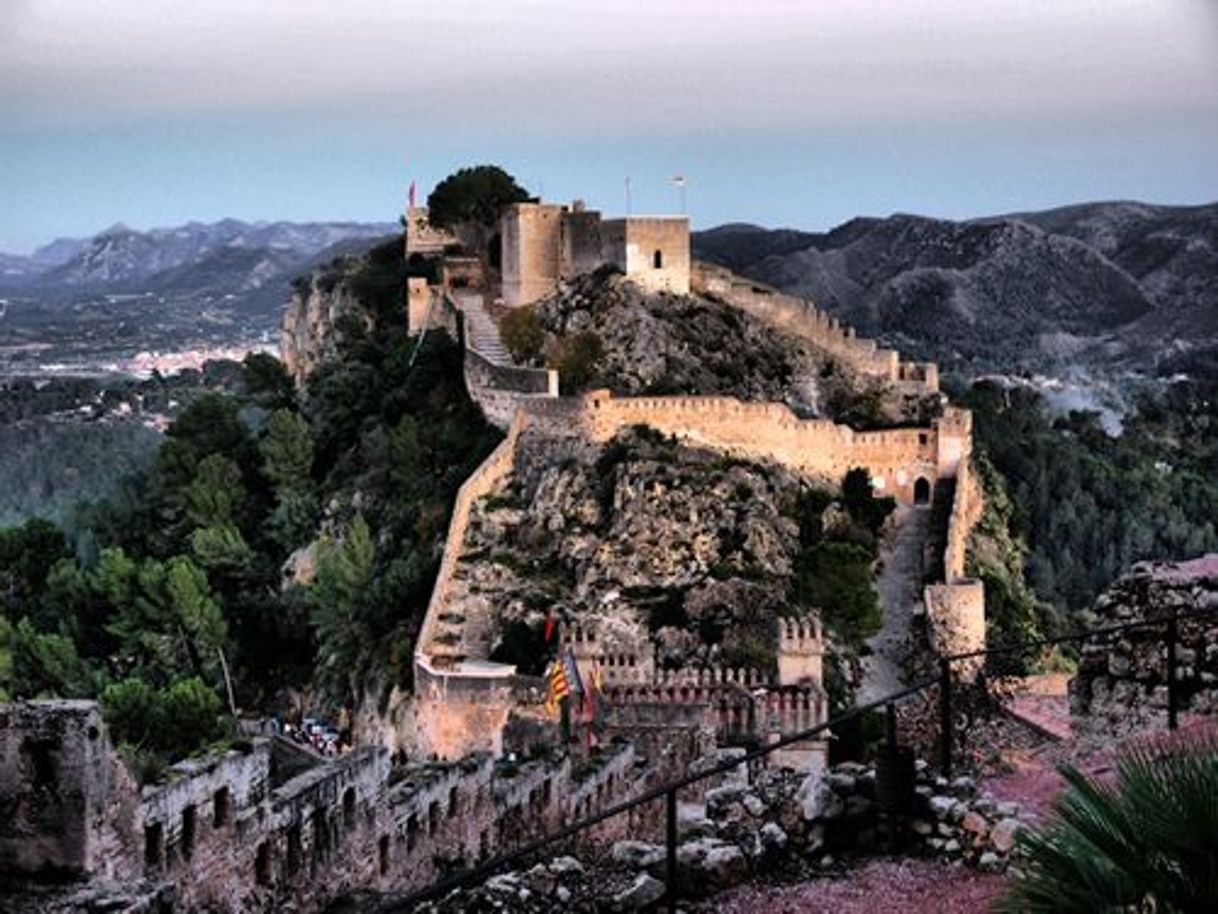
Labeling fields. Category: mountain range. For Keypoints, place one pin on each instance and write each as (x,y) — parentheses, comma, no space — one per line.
(1118,287)
(252,262)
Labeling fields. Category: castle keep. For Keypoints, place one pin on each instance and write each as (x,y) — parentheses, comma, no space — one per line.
(544,243)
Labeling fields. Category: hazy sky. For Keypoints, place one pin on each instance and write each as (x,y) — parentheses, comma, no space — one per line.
(781,112)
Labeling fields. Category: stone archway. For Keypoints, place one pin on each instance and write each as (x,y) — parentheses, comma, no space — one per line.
(921,491)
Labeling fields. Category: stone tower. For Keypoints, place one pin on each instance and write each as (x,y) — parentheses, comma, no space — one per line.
(801,648)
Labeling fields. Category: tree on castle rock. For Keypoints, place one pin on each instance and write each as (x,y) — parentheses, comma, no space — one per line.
(473,195)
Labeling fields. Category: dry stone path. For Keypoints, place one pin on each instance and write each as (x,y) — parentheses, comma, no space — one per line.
(900,589)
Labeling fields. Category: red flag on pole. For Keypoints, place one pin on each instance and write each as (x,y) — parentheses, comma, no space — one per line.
(549,627)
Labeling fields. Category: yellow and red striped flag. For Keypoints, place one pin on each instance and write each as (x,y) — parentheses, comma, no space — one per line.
(559,687)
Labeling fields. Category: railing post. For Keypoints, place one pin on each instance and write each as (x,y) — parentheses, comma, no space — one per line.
(671,841)
(945,716)
(1173,697)
(890,713)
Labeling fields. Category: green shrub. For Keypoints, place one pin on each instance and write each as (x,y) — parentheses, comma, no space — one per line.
(1149,842)
(522,334)
(575,358)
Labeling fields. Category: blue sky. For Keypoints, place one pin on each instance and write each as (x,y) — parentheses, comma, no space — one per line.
(780,112)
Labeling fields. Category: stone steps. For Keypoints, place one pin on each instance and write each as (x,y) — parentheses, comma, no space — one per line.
(482,331)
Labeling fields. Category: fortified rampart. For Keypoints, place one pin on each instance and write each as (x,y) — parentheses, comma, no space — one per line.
(500,389)
(955,609)
(422,237)
(802,318)
(231,832)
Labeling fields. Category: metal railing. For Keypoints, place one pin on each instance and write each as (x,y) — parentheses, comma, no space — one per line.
(669,791)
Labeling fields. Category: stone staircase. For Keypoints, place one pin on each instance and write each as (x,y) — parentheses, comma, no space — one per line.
(481,330)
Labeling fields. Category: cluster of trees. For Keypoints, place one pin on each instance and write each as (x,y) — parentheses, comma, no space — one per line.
(1085,503)
(67,439)
(168,599)
(838,551)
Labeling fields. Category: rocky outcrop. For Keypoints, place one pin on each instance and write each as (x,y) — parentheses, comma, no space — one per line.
(1121,683)
(660,344)
(653,538)
(309,332)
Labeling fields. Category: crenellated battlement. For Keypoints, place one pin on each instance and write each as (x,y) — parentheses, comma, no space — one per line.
(804,319)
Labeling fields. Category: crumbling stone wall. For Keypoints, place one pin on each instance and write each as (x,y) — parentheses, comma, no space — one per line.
(62,791)
(422,237)
(1121,684)
(224,833)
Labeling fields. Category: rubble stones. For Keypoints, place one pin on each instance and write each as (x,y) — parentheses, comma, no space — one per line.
(781,819)
(645,890)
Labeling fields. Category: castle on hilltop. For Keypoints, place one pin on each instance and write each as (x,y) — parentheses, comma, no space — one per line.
(542,244)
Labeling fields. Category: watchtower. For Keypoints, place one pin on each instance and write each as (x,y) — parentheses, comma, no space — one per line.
(801,649)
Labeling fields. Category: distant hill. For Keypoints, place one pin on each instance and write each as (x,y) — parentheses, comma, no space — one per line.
(227,258)
(1099,286)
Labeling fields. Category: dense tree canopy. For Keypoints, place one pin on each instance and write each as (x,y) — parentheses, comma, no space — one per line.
(478,194)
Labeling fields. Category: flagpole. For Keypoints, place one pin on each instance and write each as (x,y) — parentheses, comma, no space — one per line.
(627,195)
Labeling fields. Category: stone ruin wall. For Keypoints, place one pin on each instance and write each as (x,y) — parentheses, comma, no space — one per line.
(222,835)
(422,237)
(804,319)
(63,794)
(1121,683)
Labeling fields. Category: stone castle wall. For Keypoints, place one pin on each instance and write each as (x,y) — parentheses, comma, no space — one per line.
(531,244)
(452,647)
(422,237)
(223,833)
(544,243)
(818,448)
(500,389)
(1121,684)
(804,319)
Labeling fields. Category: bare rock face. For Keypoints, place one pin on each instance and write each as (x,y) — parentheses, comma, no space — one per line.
(655,540)
(309,333)
(1122,677)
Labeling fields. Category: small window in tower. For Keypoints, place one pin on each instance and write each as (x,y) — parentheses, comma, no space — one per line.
(657,260)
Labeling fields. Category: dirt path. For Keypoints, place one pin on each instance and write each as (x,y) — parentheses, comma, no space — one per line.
(907,886)
(900,589)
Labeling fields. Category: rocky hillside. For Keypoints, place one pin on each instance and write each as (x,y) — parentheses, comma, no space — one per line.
(658,541)
(335,295)
(662,540)
(640,343)
(1109,286)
